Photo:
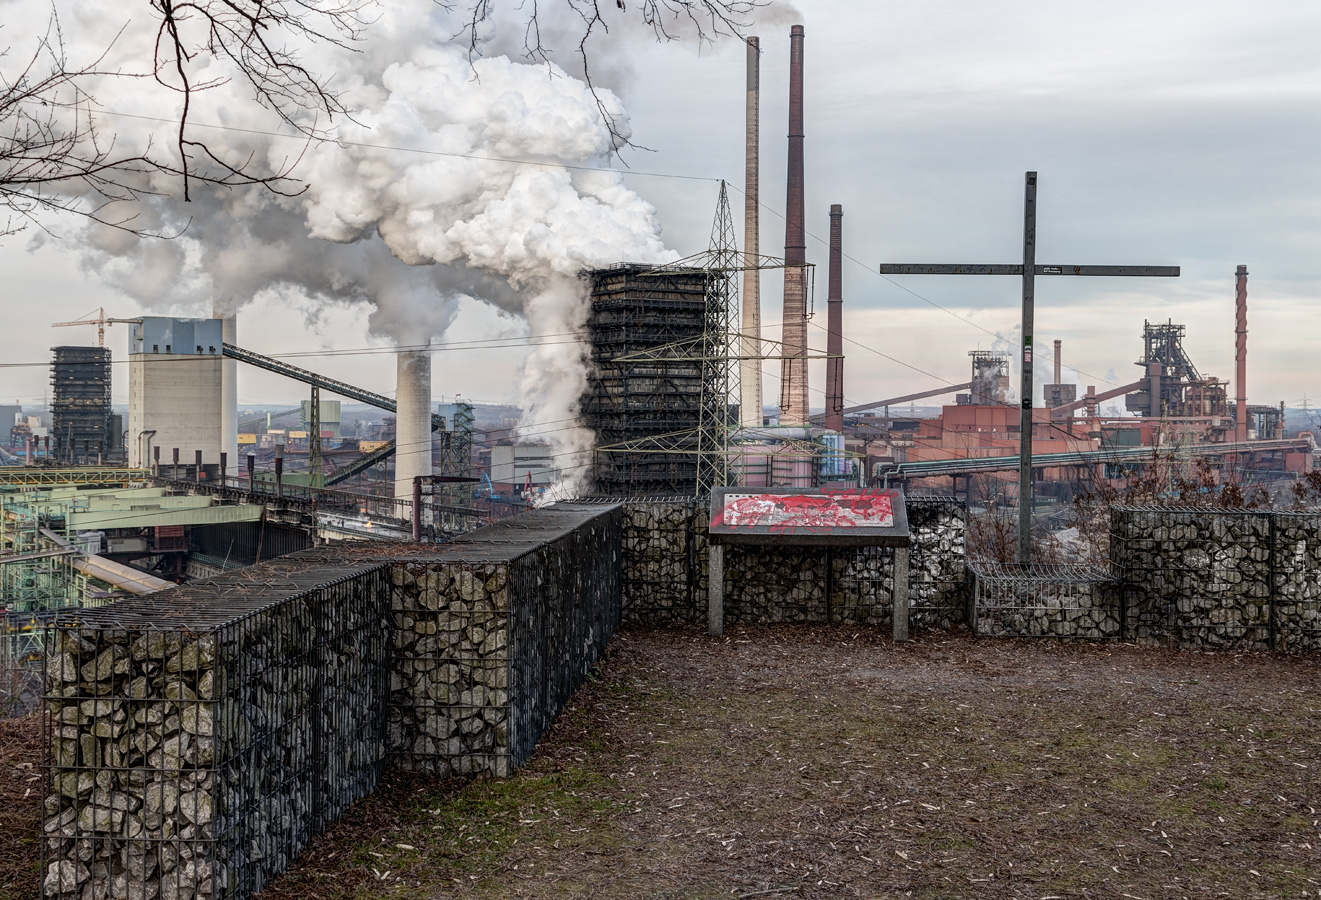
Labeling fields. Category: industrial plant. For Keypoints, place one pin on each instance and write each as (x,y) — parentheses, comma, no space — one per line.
(324,550)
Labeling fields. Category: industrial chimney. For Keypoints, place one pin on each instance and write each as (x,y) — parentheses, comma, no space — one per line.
(835,325)
(793,377)
(750,365)
(1241,353)
(1058,344)
(412,430)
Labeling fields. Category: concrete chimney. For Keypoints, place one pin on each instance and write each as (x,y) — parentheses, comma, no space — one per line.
(412,431)
(1241,353)
(793,370)
(1058,344)
(750,397)
(835,324)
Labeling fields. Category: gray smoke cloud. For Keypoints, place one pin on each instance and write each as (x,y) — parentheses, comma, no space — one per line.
(415,207)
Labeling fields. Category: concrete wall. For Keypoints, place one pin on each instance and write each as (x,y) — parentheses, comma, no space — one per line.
(179,397)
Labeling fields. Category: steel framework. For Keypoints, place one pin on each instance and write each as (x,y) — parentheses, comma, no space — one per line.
(80,407)
(666,348)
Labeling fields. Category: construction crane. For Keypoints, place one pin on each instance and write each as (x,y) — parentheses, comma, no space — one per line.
(100,322)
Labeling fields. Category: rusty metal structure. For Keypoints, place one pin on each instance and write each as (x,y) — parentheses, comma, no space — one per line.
(835,325)
(1173,388)
(793,378)
(1241,353)
(1057,394)
(80,407)
(990,379)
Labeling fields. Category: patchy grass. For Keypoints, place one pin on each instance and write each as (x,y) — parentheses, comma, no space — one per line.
(827,762)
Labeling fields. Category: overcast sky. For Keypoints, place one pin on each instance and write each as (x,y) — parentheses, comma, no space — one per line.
(1178,133)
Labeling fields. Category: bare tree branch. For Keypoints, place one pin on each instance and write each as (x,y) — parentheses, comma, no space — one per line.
(708,20)
(54,149)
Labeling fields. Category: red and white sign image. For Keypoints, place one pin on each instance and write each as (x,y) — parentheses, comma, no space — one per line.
(838,510)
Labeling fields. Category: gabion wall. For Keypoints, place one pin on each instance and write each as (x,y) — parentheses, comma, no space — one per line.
(195,744)
(1217,578)
(665,571)
(494,632)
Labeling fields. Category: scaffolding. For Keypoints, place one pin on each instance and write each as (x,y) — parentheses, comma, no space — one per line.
(80,378)
(665,352)
(455,462)
(645,410)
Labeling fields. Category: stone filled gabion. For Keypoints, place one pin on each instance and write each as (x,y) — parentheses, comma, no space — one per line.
(197,741)
(492,639)
(937,563)
(1297,565)
(665,571)
(449,670)
(1063,608)
(195,745)
(1228,579)
(660,583)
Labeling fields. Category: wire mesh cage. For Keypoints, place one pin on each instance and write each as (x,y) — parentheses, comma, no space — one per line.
(1043,600)
(197,739)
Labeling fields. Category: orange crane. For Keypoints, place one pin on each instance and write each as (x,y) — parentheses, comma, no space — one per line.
(100,322)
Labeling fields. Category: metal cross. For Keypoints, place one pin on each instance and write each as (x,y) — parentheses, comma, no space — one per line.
(1029,270)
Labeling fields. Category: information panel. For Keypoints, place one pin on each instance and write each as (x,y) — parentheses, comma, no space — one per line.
(808,516)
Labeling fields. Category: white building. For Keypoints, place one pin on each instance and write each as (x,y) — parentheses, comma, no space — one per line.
(175,391)
(511,464)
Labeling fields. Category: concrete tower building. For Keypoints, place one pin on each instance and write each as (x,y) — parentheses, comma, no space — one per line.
(175,386)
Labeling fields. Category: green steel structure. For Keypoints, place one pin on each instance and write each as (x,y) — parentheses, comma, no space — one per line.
(100,476)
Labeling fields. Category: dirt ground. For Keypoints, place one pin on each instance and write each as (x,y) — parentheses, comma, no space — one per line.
(20,806)
(829,762)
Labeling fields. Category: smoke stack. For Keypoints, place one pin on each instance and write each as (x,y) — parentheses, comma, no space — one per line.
(1241,353)
(793,377)
(750,366)
(835,324)
(1058,344)
(412,430)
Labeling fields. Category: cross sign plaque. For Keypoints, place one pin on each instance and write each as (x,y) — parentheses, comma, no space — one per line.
(1029,270)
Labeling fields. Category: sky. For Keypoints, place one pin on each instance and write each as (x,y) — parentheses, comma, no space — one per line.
(1179,133)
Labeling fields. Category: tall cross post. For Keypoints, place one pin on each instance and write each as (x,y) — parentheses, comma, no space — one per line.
(1028,270)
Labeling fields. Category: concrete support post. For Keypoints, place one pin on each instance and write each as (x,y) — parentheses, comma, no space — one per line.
(900,617)
(715,602)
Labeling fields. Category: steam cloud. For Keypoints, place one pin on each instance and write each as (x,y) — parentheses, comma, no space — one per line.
(409,232)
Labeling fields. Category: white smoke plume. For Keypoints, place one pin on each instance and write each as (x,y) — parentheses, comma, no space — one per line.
(387,219)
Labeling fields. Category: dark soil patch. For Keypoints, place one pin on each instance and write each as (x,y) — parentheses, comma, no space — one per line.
(829,762)
(20,806)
